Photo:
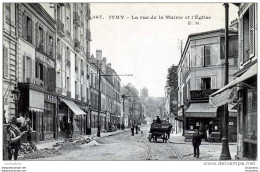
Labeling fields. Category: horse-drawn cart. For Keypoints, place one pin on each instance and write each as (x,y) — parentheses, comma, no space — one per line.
(160,130)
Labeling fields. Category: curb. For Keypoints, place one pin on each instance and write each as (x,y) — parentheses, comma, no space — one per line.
(114,133)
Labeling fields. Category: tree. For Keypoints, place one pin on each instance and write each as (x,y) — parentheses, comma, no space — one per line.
(172,82)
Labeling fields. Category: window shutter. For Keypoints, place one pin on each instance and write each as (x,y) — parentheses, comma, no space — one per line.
(33,33)
(252,30)
(5,50)
(30,67)
(241,40)
(47,43)
(213,82)
(33,68)
(202,56)
(37,37)
(198,84)
(24,31)
(207,55)
(44,41)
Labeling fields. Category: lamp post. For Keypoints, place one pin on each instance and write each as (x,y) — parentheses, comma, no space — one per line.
(225,154)
(16,97)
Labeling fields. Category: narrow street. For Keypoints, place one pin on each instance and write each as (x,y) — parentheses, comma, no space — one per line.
(123,146)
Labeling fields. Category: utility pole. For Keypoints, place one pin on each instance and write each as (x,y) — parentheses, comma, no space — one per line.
(225,154)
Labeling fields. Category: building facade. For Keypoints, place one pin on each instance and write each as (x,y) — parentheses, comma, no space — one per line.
(200,73)
(245,84)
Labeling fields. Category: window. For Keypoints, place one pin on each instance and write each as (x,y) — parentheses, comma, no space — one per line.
(205,83)
(207,56)
(29,29)
(36,70)
(68,21)
(40,38)
(246,36)
(41,74)
(28,67)
(8,12)
(76,88)
(68,84)
(5,62)
(51,46)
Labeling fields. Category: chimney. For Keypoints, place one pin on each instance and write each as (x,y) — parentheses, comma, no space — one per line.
(104,60)
(99,54)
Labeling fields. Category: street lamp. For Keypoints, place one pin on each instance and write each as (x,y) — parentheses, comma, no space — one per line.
(225,154)
(16,97)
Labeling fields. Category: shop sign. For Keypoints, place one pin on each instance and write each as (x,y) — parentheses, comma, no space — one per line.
(45,59)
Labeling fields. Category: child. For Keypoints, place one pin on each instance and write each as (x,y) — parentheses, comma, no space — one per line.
(196,141)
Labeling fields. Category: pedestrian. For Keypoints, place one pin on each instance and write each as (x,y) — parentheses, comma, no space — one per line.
(196,141)
(136,129)
(132,129)
(14,139)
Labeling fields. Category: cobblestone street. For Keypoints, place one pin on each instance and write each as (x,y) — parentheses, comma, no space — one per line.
(123,146)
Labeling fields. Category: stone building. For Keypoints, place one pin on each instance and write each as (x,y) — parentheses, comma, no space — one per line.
(200,73)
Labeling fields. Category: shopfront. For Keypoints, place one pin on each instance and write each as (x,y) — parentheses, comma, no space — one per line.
(49,116)
(246,86)
(70,118)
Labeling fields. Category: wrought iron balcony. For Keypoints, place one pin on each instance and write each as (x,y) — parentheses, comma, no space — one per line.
(60,28)
(76,19)
(77,45)
(201,94)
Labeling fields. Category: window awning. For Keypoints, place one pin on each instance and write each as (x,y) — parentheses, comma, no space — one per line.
(202,110)
(73,107)
(220,95)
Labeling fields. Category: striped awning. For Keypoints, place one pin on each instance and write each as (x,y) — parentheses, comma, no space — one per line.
(201,110)
(73,107)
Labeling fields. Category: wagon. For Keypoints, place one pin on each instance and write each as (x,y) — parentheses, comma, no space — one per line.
(159,131)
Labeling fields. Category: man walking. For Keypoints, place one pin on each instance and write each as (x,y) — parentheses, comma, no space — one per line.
(132,129)
(196,141)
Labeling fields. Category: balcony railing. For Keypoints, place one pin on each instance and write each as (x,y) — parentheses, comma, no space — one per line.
(76,19)
(67,62)
(77,45)
(60,28)
(201,94)
(88,35)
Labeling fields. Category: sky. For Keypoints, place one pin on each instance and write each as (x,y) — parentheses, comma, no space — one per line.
(146,48)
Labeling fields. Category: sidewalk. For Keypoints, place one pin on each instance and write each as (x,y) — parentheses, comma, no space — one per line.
(49,143)
(208,151)
(178,139)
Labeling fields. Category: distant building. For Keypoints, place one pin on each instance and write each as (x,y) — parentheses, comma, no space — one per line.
(144,93)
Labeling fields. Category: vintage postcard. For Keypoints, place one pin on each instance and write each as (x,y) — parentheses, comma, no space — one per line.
(129,82)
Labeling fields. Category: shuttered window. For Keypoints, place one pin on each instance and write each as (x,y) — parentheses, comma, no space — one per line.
(252,30)
(207,56)
(5,62)
(51,79)
(213,82)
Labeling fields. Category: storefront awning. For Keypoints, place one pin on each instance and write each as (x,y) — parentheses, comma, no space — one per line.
(201,110)
(73,107)
(222,94)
